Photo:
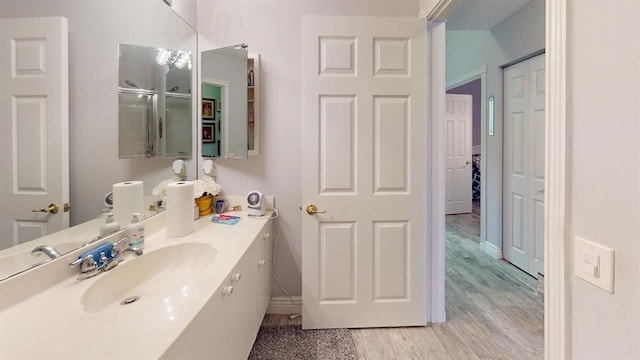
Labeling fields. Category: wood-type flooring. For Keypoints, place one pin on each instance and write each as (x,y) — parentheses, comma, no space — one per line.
(494,310)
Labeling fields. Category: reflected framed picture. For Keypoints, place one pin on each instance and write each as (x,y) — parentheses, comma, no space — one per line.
(208,134)
(208,109)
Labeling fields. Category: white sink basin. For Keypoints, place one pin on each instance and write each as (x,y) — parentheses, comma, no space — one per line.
(160,275)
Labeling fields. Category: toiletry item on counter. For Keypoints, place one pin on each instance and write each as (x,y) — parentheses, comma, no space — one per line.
(127,199)
(219,206)
(135,232)
(110,226)
(225,219)
(250,78)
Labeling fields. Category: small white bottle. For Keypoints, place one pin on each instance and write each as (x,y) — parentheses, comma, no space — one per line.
(110,226)
(135,232)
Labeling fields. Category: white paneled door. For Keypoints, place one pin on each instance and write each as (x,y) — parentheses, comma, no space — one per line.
(524,137)
(458,169)
(364,131)
(34,125)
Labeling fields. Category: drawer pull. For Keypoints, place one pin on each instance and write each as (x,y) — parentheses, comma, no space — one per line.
(236,277)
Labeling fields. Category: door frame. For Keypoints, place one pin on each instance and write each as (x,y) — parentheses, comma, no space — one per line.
(479,73)
(557,318)
(224,94)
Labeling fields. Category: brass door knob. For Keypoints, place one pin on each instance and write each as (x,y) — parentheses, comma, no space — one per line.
(312,209)
(467,163)
(52,209)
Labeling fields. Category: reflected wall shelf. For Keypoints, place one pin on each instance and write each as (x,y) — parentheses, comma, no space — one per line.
(253,104)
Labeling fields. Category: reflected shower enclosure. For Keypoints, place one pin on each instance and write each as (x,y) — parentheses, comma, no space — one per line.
(155,102)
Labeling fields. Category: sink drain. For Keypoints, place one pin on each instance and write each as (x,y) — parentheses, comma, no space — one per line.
(130,300)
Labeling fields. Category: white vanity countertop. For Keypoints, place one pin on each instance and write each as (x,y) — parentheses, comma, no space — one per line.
(53,324)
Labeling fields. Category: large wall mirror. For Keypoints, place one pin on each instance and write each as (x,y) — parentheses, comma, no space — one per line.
(154,93)
(224,102)
(96,28)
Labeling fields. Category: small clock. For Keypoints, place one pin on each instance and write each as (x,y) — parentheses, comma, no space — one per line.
(108,200)
(256,204)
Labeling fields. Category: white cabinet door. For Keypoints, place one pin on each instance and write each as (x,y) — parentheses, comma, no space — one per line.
(364,130)
(458,169)
(238,310)
(226,327)
(265,267)
(523,215)
(34,126)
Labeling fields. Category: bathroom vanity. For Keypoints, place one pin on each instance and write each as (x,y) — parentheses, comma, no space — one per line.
(201,296)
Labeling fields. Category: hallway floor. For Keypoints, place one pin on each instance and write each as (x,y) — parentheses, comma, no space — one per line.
(494,310)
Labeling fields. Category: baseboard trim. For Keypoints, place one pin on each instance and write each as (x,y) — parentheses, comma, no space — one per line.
(283,305)
(490,249)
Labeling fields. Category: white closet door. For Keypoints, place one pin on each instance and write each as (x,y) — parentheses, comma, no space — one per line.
(537,179)
(364,128)
(523,167)
(34,125)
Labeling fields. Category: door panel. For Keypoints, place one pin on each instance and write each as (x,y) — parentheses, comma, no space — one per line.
(516,104)
(458,169)
(34,127)
(537,181)
(391,144)
(364,130)
(391,261)
(337,144)
(523,185)
(337,263)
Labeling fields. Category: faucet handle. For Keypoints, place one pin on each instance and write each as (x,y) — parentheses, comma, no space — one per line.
(115,250)
(86,263)
(103,259)
(80,260)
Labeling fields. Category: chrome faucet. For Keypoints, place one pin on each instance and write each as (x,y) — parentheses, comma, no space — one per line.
(47,250)
(90,266)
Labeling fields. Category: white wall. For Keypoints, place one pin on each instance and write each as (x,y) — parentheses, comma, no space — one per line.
(604,138)
(272,29)
(95,29)
(519,35)
(187,10)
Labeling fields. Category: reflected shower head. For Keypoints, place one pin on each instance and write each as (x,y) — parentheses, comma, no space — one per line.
(175,88)
(131,83)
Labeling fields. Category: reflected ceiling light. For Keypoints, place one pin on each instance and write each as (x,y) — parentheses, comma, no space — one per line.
(172,58)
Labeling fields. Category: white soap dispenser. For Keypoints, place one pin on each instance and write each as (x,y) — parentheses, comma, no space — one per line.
(135,232)
(110,226)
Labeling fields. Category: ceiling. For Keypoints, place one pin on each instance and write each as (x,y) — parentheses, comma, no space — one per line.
(482,14)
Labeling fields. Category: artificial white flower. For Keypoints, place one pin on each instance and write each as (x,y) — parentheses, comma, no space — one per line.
(205,186)
(160,191)
(200,186)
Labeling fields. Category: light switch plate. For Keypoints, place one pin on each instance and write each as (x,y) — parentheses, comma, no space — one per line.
(585,254)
